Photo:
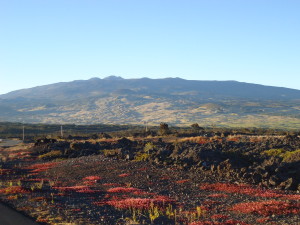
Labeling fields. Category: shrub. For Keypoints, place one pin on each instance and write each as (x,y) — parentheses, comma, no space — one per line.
(51,155)
(140,156)
(149,147)
(111,152)
(267,208)
(274,152)
(287,156)
(292,156)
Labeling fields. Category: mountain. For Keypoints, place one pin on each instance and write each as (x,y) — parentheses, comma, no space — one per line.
(172,100)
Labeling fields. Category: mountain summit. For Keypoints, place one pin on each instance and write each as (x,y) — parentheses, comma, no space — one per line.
(113,78)
(172,100)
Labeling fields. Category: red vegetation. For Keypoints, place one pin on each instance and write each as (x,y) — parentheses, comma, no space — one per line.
(13,190)
(89,182)
(140,203)
(228,222)
(248,190)
(210,202)
(219,217)
(292,197)
(182,181)
(202,223)
(40,167)
(41,220)
(263,220)
(79,189)
(234,222)
(123,190)
(92,178)
(124,175)
(76,210)
(203,140)
(241,189)
(234,139)
(218,196)
(267,208)
(5,171)
(111,184)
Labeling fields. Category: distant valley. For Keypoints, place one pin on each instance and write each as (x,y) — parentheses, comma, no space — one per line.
(114,100)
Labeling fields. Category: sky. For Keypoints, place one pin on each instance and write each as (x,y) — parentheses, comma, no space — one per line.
(50,41)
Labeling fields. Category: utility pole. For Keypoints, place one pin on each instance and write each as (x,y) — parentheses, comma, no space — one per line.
(23,134)
(146,126)
(61,131)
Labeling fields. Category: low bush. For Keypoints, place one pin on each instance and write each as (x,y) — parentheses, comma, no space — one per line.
(111,152)
(287,156)
(51,155)
(292,156)
(274,152)
(141,156)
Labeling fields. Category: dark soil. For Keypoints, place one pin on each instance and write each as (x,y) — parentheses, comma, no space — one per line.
(81,190)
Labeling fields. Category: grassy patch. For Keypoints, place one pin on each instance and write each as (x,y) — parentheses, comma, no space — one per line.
(51,155)
(287,156)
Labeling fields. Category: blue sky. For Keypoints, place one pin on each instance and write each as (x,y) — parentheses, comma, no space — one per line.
(49,41)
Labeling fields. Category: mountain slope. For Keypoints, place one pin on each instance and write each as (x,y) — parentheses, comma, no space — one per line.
(173,100)
(98,87)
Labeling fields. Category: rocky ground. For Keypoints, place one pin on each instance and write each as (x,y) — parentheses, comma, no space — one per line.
(198,180)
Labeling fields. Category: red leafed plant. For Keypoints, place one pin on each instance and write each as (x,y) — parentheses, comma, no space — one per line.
(227,222)
(218,196)
(241,189)
(234,222)
(124,175)
(140,203)
(267,208)
(292,197)
(182,181)
(5,171)
(123,190)
(202,223)
(13,190)
(40,167)
(263,220)
(111,184)
(219,217)
(92,178)
(80,189)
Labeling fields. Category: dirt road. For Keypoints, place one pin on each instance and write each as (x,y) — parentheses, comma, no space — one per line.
(9,142)
(9,216)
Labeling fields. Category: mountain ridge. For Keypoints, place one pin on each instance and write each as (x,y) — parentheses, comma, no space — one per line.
(174,100)
(134,83)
